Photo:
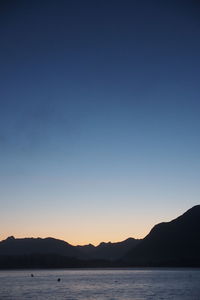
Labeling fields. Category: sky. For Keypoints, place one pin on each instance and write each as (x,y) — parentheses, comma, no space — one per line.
(99,117)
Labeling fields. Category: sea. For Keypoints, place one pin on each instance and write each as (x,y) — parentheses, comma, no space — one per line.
(108,284)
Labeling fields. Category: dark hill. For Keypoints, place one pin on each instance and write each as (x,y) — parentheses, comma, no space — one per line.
(12,246)
(28,246)
(109,251)
(175,243)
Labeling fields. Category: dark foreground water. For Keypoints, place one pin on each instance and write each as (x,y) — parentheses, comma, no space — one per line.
(128,284)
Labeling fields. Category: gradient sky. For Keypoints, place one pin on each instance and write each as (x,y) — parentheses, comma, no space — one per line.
(99,117)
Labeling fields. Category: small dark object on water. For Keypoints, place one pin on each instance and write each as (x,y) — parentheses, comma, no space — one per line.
(32,275)
(58,279)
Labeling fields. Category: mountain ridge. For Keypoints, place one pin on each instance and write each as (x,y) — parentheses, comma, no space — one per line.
(173,243)
(25,246)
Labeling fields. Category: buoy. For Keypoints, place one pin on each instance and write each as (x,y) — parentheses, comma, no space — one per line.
(58,279)
(32,275)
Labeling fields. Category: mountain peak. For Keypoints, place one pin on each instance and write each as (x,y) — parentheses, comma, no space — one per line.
(171,243)
(192,210)
(10,238)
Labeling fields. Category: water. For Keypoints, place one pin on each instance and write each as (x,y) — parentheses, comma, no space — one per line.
(104,284)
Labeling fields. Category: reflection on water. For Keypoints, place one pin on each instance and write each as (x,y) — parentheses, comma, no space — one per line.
(128,284)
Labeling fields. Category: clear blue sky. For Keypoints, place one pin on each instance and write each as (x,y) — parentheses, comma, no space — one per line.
(99,117)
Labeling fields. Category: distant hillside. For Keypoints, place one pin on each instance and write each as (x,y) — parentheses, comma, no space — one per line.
(109,251)
(38,249)
(173,243)
(12,246)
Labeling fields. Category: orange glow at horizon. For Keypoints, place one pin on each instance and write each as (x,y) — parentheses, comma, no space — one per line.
(81,238)
(92,229)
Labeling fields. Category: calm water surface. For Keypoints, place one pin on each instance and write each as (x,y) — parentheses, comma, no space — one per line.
(128,284)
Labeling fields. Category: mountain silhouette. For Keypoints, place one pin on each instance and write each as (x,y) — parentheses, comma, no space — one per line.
(109,251)
(175,243)
(104,251)
(12,246)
